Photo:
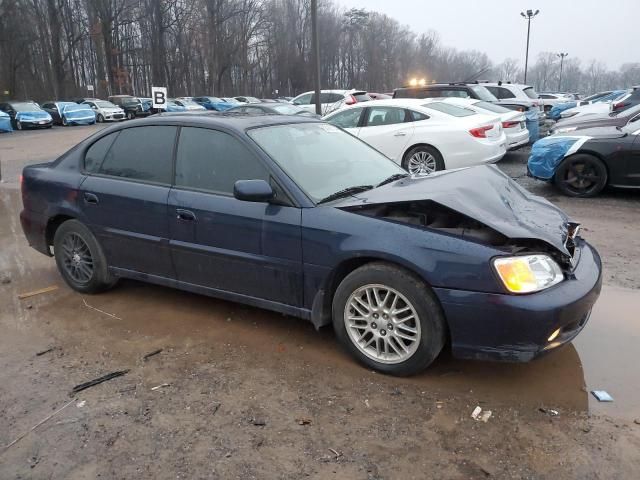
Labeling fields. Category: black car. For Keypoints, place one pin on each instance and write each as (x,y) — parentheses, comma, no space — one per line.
(627,102)
(582,163)
(295,215)
(26,114)
(132,106)
(273,108)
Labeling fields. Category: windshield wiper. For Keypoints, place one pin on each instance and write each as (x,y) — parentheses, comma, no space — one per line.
(346,192)
(392,178)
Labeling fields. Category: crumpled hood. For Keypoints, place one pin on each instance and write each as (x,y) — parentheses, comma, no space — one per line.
(483,193)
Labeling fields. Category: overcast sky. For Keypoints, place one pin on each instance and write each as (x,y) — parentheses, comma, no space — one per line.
(605,30)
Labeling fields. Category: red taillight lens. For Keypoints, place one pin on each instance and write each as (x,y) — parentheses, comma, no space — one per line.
(21,180)
(616,106)
(509,124)
(351,100)
(480,132)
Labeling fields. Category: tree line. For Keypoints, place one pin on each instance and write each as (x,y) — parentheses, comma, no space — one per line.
(57,48)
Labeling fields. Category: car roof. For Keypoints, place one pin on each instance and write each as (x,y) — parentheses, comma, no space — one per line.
(231,120)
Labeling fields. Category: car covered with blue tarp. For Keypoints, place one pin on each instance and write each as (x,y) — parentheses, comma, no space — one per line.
(5,122)
(26,114)
(70,113)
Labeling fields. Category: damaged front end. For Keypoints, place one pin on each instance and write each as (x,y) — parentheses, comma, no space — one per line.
(435,217)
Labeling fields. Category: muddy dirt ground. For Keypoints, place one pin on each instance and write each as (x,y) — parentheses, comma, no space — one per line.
(246,393)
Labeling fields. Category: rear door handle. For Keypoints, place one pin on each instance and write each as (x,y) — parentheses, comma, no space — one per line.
(91,198)
(186,215)
(400,134)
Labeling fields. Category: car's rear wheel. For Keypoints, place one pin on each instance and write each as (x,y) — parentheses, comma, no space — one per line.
(422,160)
(581,175)
(388,319)
(131,115)
(64,121)
(18,125)
(80,258)
(100,118)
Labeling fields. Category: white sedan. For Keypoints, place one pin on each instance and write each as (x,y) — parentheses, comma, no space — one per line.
(424,135)
(513,122)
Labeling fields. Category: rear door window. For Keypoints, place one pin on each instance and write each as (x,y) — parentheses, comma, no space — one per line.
(142,153)
(385,116)
(347,119)
(303,99)
(214,161)
(96,153)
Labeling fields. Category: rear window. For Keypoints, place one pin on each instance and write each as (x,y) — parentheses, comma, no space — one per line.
(361,96)
(492,107)
(449,109)
(530,92)
(416,93)
(483,93)
(96,152)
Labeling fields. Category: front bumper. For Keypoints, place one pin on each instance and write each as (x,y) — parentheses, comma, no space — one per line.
(36,123)
(113,116)
(515,328)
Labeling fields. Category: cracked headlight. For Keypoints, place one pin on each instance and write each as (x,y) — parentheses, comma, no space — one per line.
(527,273)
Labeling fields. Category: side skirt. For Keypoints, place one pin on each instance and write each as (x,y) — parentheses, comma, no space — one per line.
(213,292)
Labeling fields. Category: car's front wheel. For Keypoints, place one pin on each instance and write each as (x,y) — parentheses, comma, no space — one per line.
(422,160)
(80,258)
(581,175)
(100,118)
(18,125)
(131,115)
(388,319)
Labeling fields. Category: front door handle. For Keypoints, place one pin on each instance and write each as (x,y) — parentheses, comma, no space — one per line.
(400,134)
(186,215)
(91,198)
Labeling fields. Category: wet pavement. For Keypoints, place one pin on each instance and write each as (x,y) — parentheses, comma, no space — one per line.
(260,366)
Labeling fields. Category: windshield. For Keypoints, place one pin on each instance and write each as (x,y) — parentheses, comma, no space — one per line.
(483,93)
(322,159)
(25,107)
(492,107)
(287,109)
(103,104)
(449,109)
(595,96)
(74,107)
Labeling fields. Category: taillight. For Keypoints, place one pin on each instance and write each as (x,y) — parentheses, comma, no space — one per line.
(350,101)
(21,180)
(480,132)
(618,105)
(509,124)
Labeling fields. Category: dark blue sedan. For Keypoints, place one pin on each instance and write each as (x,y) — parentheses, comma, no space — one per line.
(297,216)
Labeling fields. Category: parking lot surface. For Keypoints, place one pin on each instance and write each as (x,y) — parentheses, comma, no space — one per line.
(238,392)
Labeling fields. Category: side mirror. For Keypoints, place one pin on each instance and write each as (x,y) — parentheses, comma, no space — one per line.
(253,191)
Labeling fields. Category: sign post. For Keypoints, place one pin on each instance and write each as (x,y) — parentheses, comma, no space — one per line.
(159,97)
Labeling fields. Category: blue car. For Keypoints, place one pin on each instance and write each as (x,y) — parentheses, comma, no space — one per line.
(26,115)
(5,122)
(297,216)
(213,103)
(70,113)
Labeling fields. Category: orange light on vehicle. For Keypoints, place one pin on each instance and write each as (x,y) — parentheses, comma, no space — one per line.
(516,275)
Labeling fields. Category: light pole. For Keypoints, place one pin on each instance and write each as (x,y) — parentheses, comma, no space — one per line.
(528,16)
(561,55)
(315,46)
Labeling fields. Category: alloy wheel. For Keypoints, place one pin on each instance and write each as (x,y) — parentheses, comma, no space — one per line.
(18,125)
(382,323)
(422,162)
(77,259)
(581,176)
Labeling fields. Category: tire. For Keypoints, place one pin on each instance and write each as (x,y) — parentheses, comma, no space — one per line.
(99,118)
(19,125)
(131,115)
(423,335)
(422,160)
(64,122)
(581,175)
(74,240)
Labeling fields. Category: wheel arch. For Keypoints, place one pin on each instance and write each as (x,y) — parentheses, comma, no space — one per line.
(422,144)
(53,224)
(321,310)
(593,153)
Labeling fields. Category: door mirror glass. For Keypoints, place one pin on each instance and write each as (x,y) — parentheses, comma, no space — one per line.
(253,191)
